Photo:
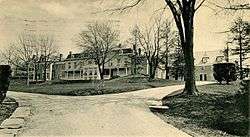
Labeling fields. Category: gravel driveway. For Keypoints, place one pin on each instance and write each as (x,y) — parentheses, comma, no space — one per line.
(124,114)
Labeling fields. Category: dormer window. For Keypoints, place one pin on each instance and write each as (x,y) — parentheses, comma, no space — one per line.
(204,60)
(89,62)
(219,59)
(69,65)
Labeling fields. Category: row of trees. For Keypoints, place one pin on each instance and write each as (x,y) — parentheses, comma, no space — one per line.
(28,50)
(183,12)
(158,43)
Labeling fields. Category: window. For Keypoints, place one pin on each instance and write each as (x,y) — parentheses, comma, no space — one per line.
(69,65)
(63,66)
(203,68)
(90,72)
(82,73)
(110,63)
(75,64)
(106,72)
(219,59)
(89,62)
(77,74)
(82,64)
(201,77)
(126,62)
(205,77)
(95,72)
(85,73)
(118,61)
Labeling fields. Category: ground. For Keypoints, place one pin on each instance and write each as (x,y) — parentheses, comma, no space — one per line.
(217,111)
(124,114)
(7,108)
(123,84)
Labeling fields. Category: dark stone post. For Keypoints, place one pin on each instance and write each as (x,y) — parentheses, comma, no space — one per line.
(5,72)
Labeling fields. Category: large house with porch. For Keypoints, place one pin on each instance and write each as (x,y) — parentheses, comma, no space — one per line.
(80,66)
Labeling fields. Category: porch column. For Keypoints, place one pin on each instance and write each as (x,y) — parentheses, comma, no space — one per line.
(118,72)
(80,73)
(109,72)
(147,68)
(34,73)
(50,71)
(126,71)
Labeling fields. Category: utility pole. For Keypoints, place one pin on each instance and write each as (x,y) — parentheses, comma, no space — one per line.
(227,53)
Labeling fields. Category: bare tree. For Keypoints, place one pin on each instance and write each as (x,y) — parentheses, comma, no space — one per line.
(151,42)
(24,51)
(48,49)
(8,55)
(178,64)
(24,54)
(135,58)
(168,39)
(99,40)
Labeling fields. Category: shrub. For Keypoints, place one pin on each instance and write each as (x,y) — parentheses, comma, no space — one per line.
(115,76)
(225,72)
(5,72)
(244,86)
(69,81)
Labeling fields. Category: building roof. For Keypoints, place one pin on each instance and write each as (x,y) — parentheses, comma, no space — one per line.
(86,55)
(208,58)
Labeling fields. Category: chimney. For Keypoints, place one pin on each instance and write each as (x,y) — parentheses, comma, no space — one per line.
(134,49)
(60,57)
(42,58)
(119,45)
(139,51)
(70,54)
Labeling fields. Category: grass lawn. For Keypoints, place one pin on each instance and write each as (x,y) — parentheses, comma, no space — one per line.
(217,111)
(7,108)
(118,85)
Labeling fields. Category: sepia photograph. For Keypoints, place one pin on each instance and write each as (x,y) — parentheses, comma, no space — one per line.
(124,68)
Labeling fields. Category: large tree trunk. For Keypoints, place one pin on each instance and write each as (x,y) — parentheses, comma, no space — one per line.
(102,74)
(101,70)
(190,87)
(151,71)
(187,46)
(152,68)
(176,74)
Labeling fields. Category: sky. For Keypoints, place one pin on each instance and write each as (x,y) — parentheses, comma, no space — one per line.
(65,19)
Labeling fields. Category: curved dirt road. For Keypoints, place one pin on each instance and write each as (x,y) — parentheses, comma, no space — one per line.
(125,114)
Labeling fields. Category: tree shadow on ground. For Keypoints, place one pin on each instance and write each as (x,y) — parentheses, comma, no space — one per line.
(219,111)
